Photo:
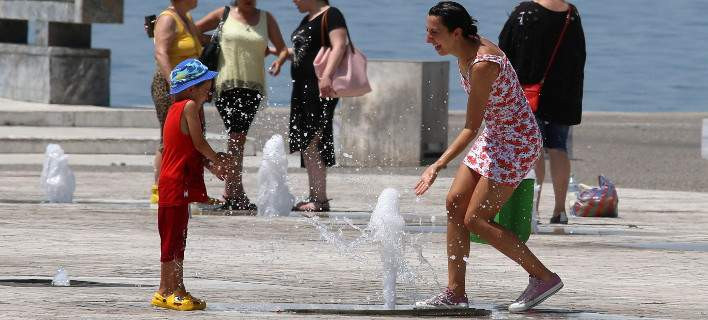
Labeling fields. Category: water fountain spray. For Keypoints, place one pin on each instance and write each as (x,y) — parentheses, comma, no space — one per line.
(386,227)
(274,197)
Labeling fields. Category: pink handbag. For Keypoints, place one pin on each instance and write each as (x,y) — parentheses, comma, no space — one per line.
(349,78)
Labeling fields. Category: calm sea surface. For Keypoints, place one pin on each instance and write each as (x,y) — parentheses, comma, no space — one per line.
(643,55)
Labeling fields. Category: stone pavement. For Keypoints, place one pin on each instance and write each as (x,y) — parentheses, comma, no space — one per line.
(658,151)
(650,262)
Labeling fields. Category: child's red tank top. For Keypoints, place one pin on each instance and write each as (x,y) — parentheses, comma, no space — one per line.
(182,170)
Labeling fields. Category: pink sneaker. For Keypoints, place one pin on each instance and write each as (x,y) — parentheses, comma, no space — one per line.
(443,300)
(536,292)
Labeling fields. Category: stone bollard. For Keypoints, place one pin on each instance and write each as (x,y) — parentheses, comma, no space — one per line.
(402,122)
(58,66)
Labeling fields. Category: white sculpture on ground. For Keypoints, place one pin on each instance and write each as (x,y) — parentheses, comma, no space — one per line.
(61,278)
(274,197)
(57,179)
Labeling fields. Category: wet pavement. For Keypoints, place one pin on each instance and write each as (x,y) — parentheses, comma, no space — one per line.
(649,263)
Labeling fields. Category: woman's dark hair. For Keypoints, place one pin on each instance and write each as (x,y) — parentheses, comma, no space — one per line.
(453,15)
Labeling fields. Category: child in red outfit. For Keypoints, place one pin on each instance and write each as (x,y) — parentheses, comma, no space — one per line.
(181,181)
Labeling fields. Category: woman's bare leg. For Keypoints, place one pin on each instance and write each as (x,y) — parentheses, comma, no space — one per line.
(486,201)
(233,187)
(560,174)
(316,170)
(540,172)
(157,162)
(458,236)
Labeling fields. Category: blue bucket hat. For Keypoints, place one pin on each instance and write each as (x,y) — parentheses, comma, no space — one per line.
(189,73)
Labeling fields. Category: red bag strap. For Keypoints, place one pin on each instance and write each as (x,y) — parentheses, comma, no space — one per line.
(558,43)
(324,27)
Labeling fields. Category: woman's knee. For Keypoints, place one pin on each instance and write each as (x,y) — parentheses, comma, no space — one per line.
(476,224)
(455,205)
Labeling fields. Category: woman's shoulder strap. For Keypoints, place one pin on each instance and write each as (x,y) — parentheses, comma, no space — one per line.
(175,17)
(488,57)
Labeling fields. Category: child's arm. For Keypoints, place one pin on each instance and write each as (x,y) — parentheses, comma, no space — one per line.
(215,162)
(194,127)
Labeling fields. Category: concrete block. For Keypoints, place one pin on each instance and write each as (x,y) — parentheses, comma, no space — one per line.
(73,11)
(60,34)
(111,117)
(105,145)
(13,31)
(55,74)
(402,122)
(704,143)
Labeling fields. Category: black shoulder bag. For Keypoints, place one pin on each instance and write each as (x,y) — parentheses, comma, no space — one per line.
(210,54)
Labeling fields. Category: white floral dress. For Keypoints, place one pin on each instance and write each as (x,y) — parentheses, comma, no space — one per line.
(510,142)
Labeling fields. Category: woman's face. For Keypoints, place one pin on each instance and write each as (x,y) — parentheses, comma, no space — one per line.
(438,35)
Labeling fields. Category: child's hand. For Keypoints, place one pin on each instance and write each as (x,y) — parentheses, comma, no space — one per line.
(221,167)
(217,170)
(225,164)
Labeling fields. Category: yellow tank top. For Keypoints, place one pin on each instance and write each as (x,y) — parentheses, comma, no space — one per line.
(185,45)
(242,55)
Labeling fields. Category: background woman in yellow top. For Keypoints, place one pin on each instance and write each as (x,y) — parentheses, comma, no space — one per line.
(176,39)
(240,85)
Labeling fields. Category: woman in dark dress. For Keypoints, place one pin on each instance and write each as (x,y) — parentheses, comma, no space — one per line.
(528,39)
(313,100)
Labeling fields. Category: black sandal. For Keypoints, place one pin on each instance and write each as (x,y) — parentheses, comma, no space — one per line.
(240,205)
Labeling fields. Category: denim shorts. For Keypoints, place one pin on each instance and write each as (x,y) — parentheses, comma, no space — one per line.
(555,136)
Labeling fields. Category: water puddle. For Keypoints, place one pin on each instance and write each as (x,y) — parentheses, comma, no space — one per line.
(587,230)
(47,282)
(670,246)
(475,311)
(350,310)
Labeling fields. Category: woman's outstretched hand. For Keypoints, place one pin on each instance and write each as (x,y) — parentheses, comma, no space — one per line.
(427,179)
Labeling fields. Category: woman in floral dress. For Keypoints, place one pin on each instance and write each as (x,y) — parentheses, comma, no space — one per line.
(499,159)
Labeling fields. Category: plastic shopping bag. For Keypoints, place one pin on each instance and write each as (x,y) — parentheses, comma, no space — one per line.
(600,201)
(57,179)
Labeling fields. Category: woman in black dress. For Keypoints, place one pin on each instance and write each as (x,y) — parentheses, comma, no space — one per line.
(313,100)
(528,39)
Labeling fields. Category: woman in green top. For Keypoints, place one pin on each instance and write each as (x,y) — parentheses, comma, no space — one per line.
(240,85)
